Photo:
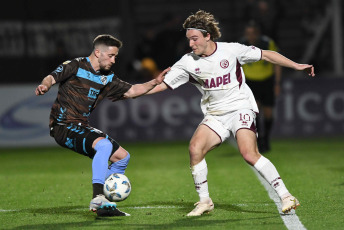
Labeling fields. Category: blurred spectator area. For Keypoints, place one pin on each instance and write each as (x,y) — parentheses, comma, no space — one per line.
(139,22)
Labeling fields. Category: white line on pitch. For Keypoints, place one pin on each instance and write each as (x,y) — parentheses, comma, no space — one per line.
(290,220)
(148,207)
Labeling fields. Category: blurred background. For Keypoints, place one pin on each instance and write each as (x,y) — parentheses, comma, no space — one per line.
(37,36)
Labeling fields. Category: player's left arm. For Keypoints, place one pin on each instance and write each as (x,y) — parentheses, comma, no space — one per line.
(279,59)
(141,89)
(46,84)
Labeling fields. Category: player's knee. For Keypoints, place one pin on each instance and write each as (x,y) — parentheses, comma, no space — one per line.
(103,144)
(195,150)
(119,154)
(127,158)
(123,160)
(122,163)
(250,156)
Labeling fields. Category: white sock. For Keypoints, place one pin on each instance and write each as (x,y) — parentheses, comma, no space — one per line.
(269,172)
(199,173)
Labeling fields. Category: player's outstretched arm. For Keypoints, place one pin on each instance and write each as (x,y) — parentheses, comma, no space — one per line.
(141,89)
(279,59)
(158,88)
(46,84)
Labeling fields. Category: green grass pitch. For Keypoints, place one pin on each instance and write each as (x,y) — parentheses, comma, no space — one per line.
(50,188)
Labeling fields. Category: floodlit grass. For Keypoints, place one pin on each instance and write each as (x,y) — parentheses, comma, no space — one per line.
(50,188)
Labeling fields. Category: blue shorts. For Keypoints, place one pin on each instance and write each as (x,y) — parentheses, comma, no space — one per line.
(79,138)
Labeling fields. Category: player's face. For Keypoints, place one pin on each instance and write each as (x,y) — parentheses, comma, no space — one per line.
(197,42)
(107,57)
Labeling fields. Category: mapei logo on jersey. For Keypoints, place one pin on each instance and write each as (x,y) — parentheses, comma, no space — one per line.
(217,81)
(224,64)
(93,93)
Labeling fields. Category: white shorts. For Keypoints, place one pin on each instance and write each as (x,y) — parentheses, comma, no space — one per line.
(223,125)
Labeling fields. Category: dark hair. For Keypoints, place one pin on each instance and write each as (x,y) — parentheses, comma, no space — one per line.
(107,40)
(205,21)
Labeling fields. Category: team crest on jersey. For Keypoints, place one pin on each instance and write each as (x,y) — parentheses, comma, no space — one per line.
(103,79)
(224,63)
(197,71)
(58,69)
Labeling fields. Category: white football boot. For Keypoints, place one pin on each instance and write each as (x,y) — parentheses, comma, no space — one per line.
(101,202)
(202,207)
(289,203)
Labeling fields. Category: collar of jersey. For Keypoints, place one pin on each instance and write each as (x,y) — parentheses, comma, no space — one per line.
(212,52)
(97,72)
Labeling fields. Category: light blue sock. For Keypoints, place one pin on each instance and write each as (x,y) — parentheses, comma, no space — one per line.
(119,166)
(101,161)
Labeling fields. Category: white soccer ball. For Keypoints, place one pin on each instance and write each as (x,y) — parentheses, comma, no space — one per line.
(117,187)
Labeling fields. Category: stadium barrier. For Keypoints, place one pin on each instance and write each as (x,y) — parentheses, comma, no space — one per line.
(306,108)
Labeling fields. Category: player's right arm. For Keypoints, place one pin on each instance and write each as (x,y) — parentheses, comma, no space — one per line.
(175,77)
(158,88)
(61,73)
(46,84)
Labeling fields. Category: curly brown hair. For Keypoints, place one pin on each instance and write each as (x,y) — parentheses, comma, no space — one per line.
(205,21)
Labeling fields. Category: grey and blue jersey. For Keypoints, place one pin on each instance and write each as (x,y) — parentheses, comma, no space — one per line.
(81,88)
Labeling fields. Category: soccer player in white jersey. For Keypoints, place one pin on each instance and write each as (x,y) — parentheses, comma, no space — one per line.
(227,103)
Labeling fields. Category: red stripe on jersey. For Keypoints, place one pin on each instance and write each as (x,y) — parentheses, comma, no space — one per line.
(238,73)
(193,80)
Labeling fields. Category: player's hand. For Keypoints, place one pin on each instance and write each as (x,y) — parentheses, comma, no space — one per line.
(41,90)
(159,79)
(309,69)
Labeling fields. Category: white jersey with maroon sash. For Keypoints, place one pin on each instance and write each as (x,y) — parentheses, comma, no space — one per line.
(219,77)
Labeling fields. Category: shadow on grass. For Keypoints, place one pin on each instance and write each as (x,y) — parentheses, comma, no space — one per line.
(197,222)
(62,210)
(80,211)
(205,221)
(182,207)
(79,225)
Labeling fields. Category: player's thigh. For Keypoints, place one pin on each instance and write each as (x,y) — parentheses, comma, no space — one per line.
(118,153)
(246,140)
(203,140)
(80,138)
(247,144)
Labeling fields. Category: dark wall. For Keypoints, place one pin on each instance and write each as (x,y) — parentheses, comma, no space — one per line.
(141,24)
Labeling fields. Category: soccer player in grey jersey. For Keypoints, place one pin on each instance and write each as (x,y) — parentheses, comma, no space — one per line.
(83,83)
